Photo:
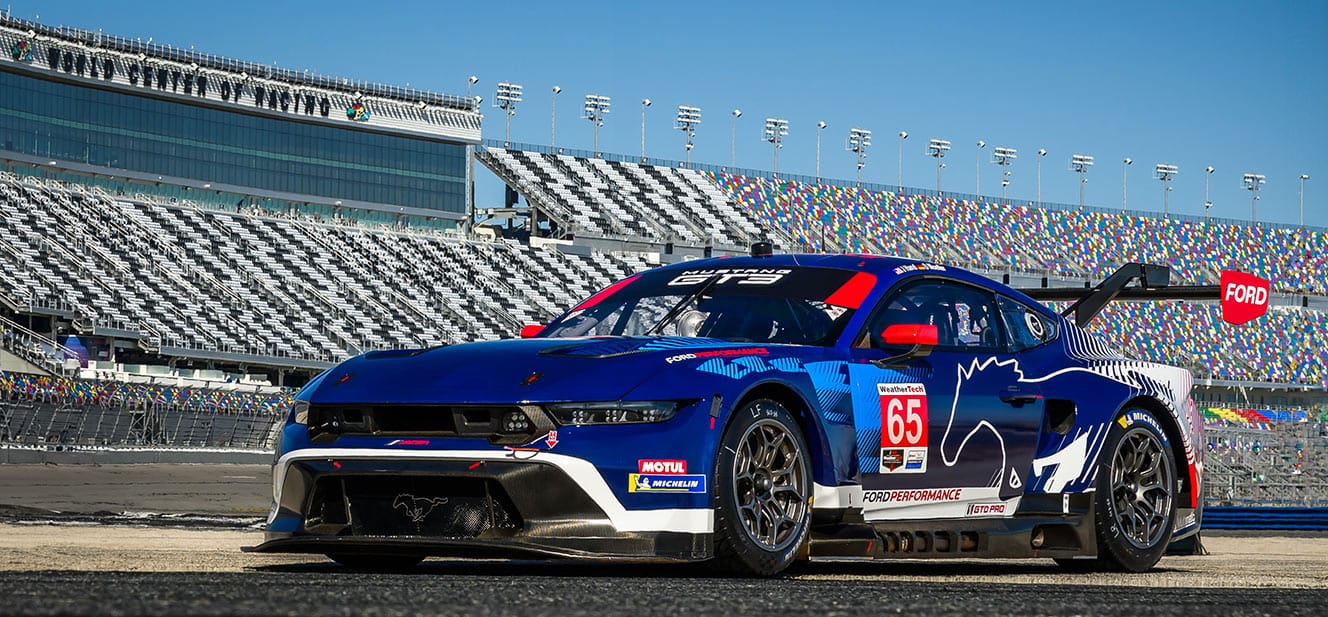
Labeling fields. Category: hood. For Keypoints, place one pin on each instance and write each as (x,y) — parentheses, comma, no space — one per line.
(529,370)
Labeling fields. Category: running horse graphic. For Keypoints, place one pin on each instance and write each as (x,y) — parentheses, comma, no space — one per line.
(417,508)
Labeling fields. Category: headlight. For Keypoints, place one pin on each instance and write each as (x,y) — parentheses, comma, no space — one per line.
(613,412)
(300,411)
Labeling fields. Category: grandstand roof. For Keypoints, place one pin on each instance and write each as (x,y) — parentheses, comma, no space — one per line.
(65,51)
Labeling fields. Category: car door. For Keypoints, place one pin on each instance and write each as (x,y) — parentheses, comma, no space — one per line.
(951,434)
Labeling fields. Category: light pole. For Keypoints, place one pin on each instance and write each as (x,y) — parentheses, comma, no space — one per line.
(553,117)
(1252,182)
(1041,153)
(1124,184)
(594,110)
(776,129)
(506,98)
(819,127)
(470,81)
(977,168)
(733,139)
(858,142)
(936,148)
(1303,178)
(644,104)
(1081,163)
(1165,172)
(1004,157)
(688,118)
(899,182)
(1208,171)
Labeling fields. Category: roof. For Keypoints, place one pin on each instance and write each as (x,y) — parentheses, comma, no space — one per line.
(882,266)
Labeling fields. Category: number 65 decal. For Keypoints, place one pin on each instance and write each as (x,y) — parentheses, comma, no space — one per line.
(903,427)
(903,415)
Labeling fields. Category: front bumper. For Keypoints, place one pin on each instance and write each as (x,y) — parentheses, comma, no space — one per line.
(467,504)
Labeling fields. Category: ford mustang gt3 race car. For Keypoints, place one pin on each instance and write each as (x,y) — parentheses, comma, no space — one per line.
(752,412)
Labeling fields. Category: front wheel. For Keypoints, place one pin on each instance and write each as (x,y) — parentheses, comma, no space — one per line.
(763,483)
(1136,495)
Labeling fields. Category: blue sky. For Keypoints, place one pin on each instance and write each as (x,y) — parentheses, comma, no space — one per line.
(1238,86)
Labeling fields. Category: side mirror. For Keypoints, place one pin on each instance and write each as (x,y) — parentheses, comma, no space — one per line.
(533,330)
(921,337)
(910,334)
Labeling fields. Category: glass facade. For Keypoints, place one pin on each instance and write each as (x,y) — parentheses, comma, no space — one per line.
(124,131)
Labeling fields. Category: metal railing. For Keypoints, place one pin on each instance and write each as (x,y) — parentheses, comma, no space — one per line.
(877,187)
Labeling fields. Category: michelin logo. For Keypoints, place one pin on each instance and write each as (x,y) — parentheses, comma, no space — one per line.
(666,483)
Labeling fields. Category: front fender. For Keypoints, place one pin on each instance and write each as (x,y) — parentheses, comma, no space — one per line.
(787,379)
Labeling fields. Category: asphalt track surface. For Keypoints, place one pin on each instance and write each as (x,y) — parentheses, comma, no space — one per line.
(75,562)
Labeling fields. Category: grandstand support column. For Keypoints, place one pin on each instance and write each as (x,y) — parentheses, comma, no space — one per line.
(644,104)
(1080,163)
(977,167)
(470,190)
(506,98)
(1004,157)
(553,118)
(899,180)
(1208,204)
(1124,185)
(821,125)
(936,148)
(1252,182)
(858,142)
(776,129)
(595,108)
(1041,153)
(1303,178)
(733,139)
(686,121)
(1165,173)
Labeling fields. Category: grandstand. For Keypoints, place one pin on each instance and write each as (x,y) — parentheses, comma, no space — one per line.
(117,252)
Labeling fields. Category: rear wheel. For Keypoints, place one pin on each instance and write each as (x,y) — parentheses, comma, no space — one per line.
(763,483)
(1135,497)
(376,562)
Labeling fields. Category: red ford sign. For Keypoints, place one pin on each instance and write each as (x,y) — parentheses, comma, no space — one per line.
(1244,297)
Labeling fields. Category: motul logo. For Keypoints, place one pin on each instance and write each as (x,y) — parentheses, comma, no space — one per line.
(1244,297)
(661,467)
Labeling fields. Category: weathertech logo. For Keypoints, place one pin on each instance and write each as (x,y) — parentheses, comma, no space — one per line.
(661,467)
(984,509)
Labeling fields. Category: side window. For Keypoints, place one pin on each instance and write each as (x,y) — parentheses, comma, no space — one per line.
(1027,329)
(964,316)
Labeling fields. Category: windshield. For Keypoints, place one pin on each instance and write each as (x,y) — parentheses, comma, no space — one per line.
(794,305)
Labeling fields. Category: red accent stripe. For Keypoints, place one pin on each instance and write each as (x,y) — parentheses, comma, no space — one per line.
(852,293)
(1194,487)
(605,293)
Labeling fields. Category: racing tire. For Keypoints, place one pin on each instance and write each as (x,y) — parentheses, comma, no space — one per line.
(762,492)
(378,563)
(1135,500)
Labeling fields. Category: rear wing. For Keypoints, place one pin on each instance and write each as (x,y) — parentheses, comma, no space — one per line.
(1153,284)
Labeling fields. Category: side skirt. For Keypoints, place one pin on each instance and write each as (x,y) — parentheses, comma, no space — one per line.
(1033,532)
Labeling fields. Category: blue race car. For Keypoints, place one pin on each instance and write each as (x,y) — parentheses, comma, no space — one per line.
(752,412)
